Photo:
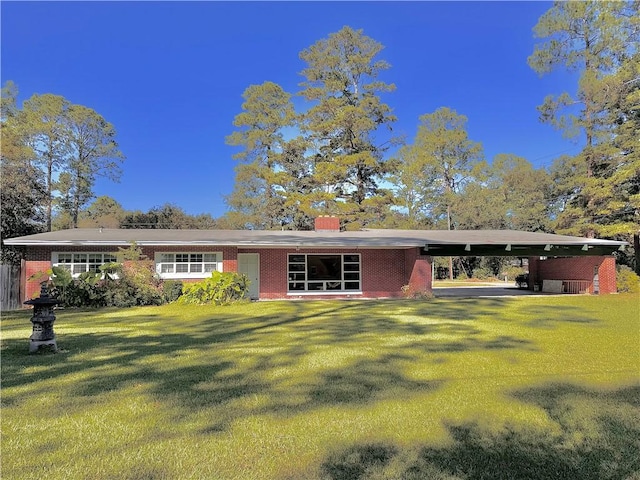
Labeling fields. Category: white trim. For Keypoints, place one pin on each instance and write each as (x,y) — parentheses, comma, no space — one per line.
(194,268)
(72,264)
(324,291)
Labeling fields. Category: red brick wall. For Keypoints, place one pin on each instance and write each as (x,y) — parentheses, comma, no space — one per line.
(575,268)
(383,272)
(38,259)
(327,223)
(31,288)
(419,269)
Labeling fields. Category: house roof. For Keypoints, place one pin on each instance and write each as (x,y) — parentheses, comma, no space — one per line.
(434,242)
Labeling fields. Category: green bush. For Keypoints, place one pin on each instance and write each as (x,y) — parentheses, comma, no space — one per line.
(171,290)
(219,289)
(627,280)
(87,290)
(483,273)
(135,283)
(116,285)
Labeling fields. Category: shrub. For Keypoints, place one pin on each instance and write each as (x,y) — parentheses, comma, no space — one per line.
(87,290)
(408,292)
(219,289)
(124,284)
(84,291)
(171,290)
(483,273)
(136,283)
(627,280)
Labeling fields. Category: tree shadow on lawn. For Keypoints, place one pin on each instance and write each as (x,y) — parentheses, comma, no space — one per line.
(244,357)
(595,436)
(551,316)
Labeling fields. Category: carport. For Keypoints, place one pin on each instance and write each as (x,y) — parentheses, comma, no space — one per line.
(557,263)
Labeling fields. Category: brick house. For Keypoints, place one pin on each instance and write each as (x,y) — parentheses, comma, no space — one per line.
(325,262)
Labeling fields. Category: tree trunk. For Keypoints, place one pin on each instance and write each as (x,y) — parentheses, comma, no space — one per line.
(49,194)
(636,247)
(449,228)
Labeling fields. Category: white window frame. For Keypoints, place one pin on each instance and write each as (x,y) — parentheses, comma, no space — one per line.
(185,264)
(80,262)
(328,287)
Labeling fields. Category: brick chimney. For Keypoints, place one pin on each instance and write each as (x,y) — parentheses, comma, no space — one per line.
(327,224)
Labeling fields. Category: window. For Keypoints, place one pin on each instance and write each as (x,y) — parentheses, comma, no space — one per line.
(324,273)
(78,263)
(188,265)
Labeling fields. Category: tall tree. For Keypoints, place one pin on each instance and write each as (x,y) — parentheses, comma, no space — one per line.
(593,38)
(509,194)
(524,191)
(93,153)
(73,145)
(343,125)
(104,211)
(447,160)
(434,171)
(257,196)
(43,118)
(21,184)
(412,185)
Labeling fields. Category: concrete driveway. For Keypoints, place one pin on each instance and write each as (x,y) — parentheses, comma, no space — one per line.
(493,290)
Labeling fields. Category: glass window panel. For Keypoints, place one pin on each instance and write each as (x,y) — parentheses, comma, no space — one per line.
(94,267)
(167,258)
(352,285)
(315,286)
(351,267)
(166,268)
(352,276)
(297,268)
(296,258)
(64,258)
(182,257)
(210,257)
(352,258)
(324,267)
(334,285)
(297,276)
(95,258)
(182,268)
(296,286)
(196,257)
(79,258)
(108,258)
(210,267)
(196,268)
(80,268)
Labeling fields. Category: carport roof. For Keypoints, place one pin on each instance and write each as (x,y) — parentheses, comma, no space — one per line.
(433,242)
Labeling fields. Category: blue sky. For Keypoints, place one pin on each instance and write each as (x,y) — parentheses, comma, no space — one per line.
(169,76)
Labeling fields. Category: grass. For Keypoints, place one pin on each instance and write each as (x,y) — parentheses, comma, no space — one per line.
(492,388)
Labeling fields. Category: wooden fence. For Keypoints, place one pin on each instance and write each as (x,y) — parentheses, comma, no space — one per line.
(9,287)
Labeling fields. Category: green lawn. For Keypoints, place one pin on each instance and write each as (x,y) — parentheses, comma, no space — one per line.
(502,388)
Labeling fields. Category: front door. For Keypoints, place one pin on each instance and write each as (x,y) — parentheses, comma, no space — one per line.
(249,264)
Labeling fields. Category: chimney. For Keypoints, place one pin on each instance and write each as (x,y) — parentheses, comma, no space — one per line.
(327,224)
